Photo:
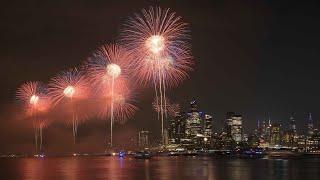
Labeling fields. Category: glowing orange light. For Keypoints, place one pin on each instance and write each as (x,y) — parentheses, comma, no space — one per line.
(118,98)
(34,99)
(155,43)
(69,91)
(113,70)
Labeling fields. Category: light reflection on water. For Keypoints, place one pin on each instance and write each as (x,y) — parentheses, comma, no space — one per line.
(78,168)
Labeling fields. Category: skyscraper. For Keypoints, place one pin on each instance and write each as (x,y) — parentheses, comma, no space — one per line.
(233,126)
(261,130)
(194,124)
(228,123)
(143,139)
(310,125)
(292,127)
(275,139)
(176,128)
(268,131)
(236,128)
(208,131)
(192,129)
(292,132)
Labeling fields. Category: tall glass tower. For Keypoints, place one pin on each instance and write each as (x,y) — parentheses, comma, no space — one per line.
(293,127)
(310,125)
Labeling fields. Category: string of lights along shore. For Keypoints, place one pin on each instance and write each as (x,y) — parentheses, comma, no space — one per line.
(153,50)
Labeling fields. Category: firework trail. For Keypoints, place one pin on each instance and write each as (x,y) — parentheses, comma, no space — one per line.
(160,42)
(41,125)
(70,86)
(33,96)
(172,108)
(123,100)
(107,69)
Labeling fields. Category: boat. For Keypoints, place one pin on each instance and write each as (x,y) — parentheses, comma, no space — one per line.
(142,155)
(122,154)
(282,154)
(174,153)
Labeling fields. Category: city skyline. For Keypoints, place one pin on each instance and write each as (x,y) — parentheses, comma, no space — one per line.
(160,89)
(251,61)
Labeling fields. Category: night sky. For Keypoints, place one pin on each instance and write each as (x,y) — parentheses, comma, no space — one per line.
(252,57)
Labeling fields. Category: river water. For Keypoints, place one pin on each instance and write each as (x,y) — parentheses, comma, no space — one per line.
(175,168)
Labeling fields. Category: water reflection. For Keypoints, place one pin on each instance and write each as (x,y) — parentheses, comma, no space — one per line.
(69,168)
(147,169)
(33,168)
(280,168)
(158,168)
(239,169)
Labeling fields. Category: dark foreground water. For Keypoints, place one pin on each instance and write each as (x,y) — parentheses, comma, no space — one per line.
(158,168)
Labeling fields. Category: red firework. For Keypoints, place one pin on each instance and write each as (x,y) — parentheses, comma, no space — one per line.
(107,69)
(109,62)
(71,85)
(123,100)
(160,41)
(34,97)
(36,102)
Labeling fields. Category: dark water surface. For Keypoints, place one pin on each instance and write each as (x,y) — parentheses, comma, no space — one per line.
(158,168)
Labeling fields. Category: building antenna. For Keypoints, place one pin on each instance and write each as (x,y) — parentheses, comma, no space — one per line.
(269,119)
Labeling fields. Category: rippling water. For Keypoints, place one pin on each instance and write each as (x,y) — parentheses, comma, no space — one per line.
(158,168)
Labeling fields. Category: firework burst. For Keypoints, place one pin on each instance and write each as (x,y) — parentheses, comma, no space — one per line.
(160,42)
(67,85)
(36,102)
(71,86)
(108,63)
(107,68)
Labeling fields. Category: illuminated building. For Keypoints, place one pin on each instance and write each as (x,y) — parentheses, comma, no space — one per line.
(144,139)
(293,128)
(208,131)
(268,132)
(313,142)
(176,128)
(225,141)
(233,126)
(301,143)
(310,144)
(215,141)
(245,137)
(228,122)
(291,135)
(310,125)
(236,128)
(262,129)
(275,134)
(253,141)
(194,129)
(286,139)
(261,133)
